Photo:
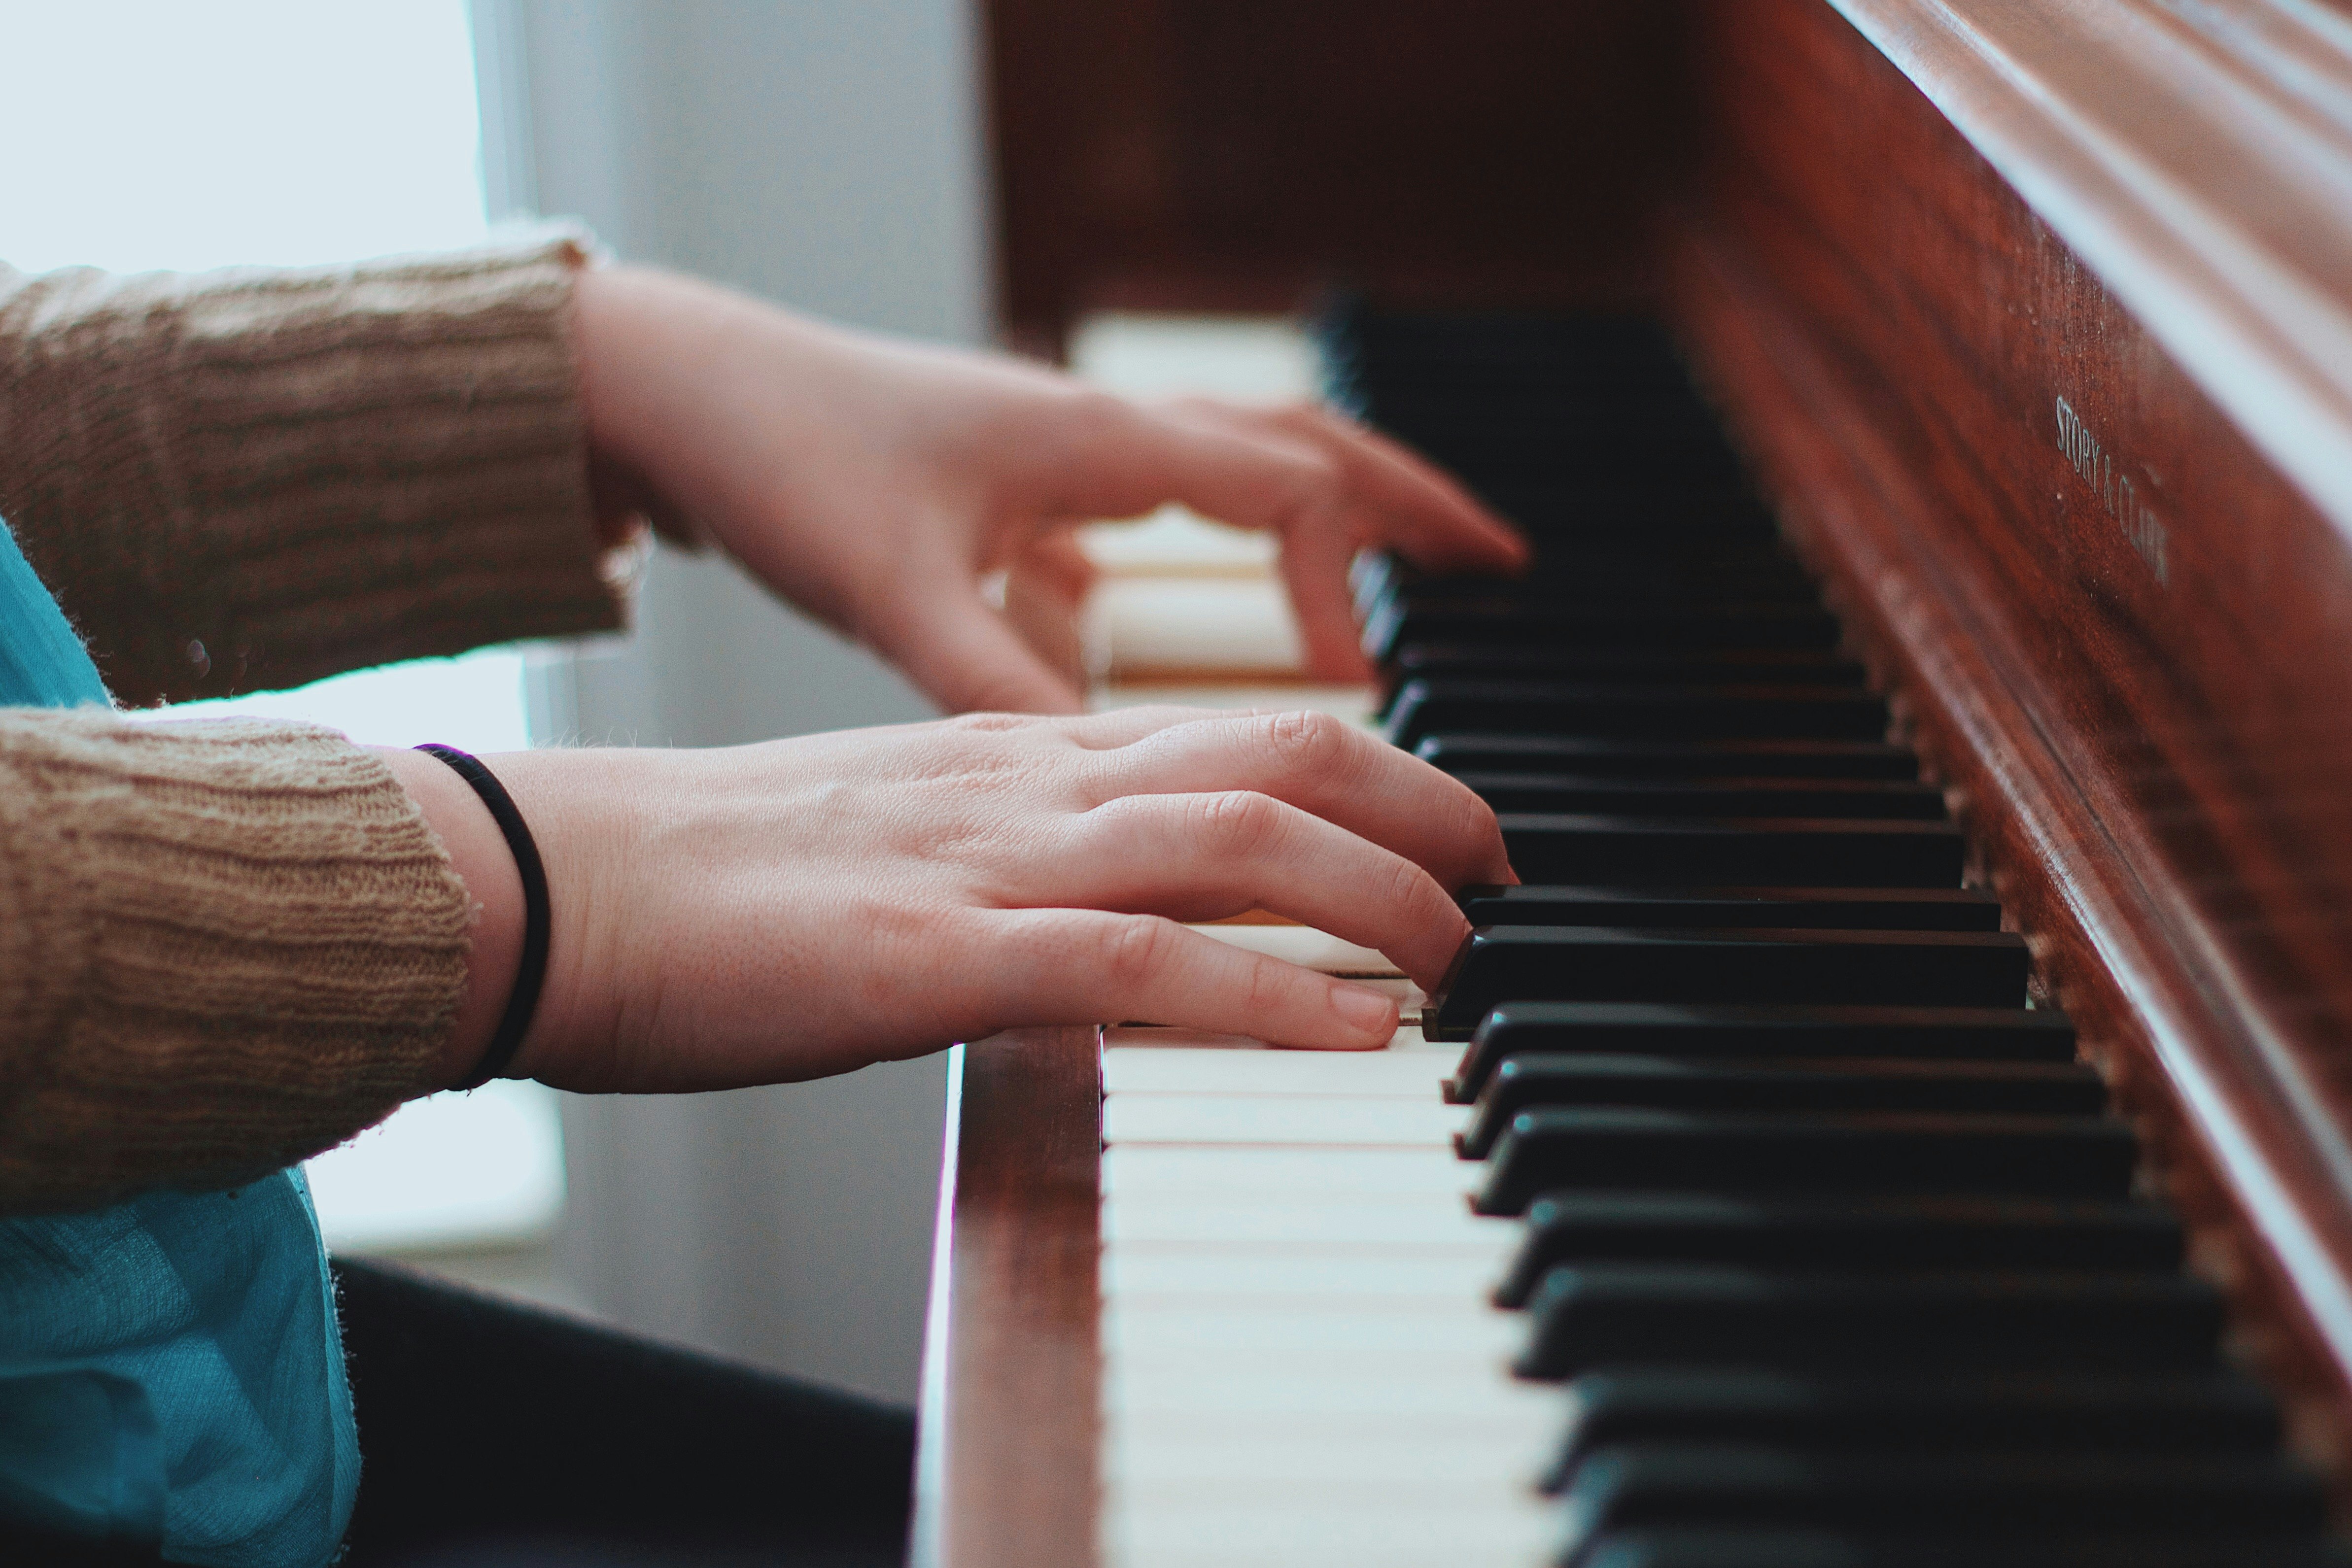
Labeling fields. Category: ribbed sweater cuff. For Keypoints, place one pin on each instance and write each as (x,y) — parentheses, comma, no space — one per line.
(225,946)
(249,479)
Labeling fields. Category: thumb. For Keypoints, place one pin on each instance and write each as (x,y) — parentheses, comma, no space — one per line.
(967,657)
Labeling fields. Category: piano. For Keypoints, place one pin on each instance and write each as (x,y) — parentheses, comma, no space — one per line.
(1901,1119)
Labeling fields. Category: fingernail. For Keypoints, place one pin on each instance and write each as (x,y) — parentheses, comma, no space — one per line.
(1366,1011)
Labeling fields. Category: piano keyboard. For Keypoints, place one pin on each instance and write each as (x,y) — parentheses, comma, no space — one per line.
(1729,1205)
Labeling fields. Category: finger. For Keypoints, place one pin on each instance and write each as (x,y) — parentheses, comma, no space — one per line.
(1083,966)
(966,657)
(1390,495)
(1132,458)
(1059,564)
(1422,512)
(1315,559)
(1326,766)
(1043,592)
(1114,727)
(1203,857)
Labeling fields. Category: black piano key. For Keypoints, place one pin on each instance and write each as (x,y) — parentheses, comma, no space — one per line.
(1587,1316)
(2211,1412)
(1395,623)
(1694,1083)
(1473,752)
(1690,535)
(1667,666)
(2030,1498)
(1693,547)
(1694,540)
(1866,1154)
(1814,1549)
(1784,908)
(1574,794)
(1653,1028)
(1500,964)
(1626,711)
(1897,1233)
(1777,850)
(1632,592)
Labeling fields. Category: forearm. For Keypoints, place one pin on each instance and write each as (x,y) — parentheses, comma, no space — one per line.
(249,479)
(224,947)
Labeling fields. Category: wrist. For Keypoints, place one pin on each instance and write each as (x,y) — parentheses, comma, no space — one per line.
(478,854)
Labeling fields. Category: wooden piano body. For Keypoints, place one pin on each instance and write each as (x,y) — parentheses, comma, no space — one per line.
(2033,321)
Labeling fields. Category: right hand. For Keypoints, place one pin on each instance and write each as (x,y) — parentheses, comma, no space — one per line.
(878,484)
(808,907)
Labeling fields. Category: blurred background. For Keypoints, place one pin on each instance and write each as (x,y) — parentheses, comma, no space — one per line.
(824,153)
(1152,191)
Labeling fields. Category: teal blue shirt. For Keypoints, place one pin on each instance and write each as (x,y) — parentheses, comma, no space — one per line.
(170,1372)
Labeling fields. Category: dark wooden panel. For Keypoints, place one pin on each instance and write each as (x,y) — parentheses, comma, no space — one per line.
(1005,1477)
(2121,632)
(1224,154)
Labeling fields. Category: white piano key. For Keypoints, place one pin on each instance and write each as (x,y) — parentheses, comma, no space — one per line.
(1170,1376)
(1307,947)
(1350,1529)
(1320,1446)
(1404,1224)
(1141,1325)
(1281,1120)
(1166,1036)
(1449,1386)
(1300,1366)
(1524,1438)
(1331,1477)
(1407,1041)
(1273,1274)
(1430,1469)
(1367,1175)
(1141,1068)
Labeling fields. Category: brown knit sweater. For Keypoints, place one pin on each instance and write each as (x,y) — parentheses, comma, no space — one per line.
(227,945)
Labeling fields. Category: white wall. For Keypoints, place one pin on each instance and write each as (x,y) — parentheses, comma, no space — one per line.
(825,153)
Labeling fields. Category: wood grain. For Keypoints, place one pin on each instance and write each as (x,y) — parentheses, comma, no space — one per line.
(1240,154)
(2149,742)
(1006,1469)
(2037,323)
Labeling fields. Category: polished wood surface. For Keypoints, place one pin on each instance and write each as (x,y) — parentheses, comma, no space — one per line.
(1239,154)
(1006,1469)
(2123,633)
(2035,322)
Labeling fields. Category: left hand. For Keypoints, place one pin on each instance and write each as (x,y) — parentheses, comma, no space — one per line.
(877,483)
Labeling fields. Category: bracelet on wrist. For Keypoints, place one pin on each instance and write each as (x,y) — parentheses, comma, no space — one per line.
(531,975)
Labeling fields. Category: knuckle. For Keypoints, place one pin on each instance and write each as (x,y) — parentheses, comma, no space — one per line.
(1413,890)
(1265,988)
(1236,822)
(1133,948)
(1472,827)
(1317,479)
(1307,744)
(990,723)
(1093,416)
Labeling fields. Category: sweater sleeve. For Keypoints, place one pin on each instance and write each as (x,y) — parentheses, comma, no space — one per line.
(225,946)
(248,479)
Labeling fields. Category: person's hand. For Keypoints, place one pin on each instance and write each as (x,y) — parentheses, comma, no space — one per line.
(807,907)
(878,484)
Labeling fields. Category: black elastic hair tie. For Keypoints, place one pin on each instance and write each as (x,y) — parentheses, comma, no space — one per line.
(532,973)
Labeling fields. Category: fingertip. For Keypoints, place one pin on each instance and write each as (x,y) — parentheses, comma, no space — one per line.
(1337,660)
(1366,1014)
(1519,551)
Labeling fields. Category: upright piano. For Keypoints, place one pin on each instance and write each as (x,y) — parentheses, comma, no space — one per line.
(1903,1117)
